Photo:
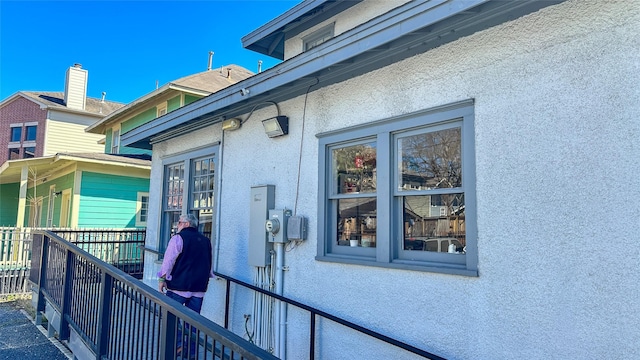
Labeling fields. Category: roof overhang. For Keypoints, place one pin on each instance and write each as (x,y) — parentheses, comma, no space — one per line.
(99,127)
(10,171)
(269,38)
(405,31)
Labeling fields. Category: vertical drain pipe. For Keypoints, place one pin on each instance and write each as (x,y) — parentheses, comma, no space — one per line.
(281,310)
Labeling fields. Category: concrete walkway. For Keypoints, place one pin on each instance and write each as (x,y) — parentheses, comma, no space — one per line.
(21,339)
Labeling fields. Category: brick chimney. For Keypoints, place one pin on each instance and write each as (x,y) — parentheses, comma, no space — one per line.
(75,87)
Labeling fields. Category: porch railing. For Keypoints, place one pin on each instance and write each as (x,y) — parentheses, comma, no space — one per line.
(15,260)
(104,313)
(118,247)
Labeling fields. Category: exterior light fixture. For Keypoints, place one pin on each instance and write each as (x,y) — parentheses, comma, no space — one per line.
(276,126)
(231,124)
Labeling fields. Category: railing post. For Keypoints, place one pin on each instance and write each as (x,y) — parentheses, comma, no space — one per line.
(312,336)
(42,272)
(226,305)
(66,296)
(169,323)
(104,312)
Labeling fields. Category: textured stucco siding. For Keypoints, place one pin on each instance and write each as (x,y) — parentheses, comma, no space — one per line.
(344,21)
(556,134)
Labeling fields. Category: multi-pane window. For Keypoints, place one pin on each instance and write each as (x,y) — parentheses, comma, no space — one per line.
(399,193)
(16,133)
(173,195)
(194,194)
(31,133)
(318,37)
(143,209)
(115,142)
(202,192)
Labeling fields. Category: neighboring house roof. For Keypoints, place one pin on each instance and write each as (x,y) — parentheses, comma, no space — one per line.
(201,84)
(10,171)
(412,28)
(55,101)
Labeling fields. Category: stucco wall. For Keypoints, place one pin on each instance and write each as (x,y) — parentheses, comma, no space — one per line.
(556,110)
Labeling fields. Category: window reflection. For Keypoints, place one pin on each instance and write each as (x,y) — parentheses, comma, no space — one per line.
(434,223)
(354,169)
(430,160)
(357,222)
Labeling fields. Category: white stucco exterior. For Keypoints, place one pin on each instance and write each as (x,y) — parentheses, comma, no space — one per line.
(556,134)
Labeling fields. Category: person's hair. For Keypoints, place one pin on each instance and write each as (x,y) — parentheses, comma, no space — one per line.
(191,219)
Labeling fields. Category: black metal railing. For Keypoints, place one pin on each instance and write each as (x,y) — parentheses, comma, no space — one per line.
(120,248)
(314,313)
(15,259)
(119,317)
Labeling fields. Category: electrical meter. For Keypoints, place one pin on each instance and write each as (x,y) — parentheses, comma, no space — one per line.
(276,225)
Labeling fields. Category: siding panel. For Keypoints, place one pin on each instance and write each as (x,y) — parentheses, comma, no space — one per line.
(9,194)
(109,200)
(67,137)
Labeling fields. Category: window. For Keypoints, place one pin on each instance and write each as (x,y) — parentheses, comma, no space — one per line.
(14,153)
(194,194)
(16,133)
(142,209)
(162,109)
(400,192)
(29,152)
(115,142)
(318,37)
(31,133)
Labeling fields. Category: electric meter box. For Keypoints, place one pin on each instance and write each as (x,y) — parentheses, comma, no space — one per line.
(263,198)
(276,225)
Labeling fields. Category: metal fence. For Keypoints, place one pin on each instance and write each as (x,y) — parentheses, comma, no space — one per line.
(15,259)
(117,317)
(118,247)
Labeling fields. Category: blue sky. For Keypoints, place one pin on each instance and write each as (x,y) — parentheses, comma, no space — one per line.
(126,46)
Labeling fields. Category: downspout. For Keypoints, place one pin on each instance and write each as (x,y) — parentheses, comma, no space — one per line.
(281,315)
(216,251)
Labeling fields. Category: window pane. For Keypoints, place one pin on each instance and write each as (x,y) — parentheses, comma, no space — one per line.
(174,185)
(205,221)
(16,134)
(14,153)
(434,222)
(31,133)
(357,222)
(354,169)
(202,180)
(29,152)
(430,161)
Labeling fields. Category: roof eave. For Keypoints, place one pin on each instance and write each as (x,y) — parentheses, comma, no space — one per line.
(410,29)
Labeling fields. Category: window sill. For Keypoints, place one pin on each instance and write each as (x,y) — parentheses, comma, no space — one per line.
(402,265)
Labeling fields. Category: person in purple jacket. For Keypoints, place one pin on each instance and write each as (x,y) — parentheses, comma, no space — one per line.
(186,269)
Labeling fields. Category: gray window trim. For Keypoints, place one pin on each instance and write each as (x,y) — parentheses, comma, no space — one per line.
(385,131)
(185,158)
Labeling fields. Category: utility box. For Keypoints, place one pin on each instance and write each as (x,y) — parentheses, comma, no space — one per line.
(297,228)
(263,199)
